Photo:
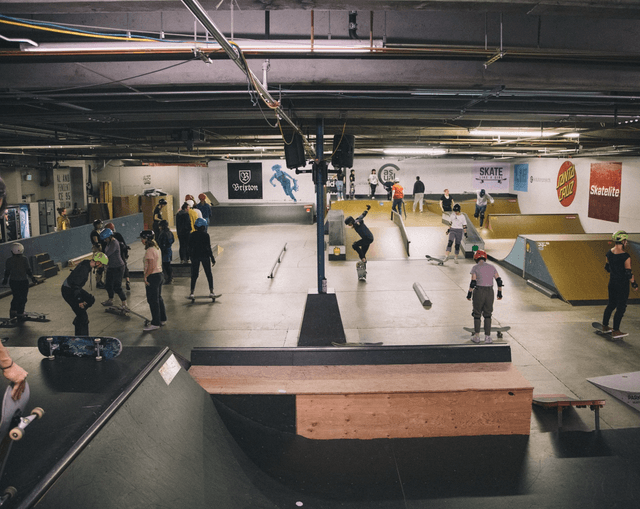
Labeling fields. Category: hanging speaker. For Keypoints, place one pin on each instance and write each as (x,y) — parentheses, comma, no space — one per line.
(343,146)
(294,152)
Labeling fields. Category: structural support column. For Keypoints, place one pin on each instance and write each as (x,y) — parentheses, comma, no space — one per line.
(320,176)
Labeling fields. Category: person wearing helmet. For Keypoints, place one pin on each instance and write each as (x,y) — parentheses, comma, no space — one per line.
(366,237)
(18,272)
(457,228)
(96,247)
(372,180)
(124,252)
(482,197)
(193,214)
(157,216)
(200,252)
(418,193)
(165,241)
(397,191)
(115,269)
(481,290)
(153,280)
(204,208)
(618,265)
(76,296)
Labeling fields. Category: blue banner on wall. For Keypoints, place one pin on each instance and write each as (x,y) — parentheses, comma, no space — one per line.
(521,177)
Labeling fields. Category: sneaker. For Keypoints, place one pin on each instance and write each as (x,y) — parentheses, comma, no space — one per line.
(445,259)
(192,296)
(124,307)
(211,294)
(162,324)
(151,327)
(606,329)
(102,286)
(455,260)
(108,302)
(487,339)
(128,286)
(475,338)
(619,334)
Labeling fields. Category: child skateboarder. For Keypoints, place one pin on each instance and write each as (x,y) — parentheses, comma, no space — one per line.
(76,296)
(481,289)
(619,267)
(366,237)
(455,232)
(17,271)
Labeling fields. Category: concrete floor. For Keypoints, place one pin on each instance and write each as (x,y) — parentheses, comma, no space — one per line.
(553,343)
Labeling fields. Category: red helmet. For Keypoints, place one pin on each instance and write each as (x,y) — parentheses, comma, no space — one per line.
(111,226)
(189,197)
(480,254)
(202,197)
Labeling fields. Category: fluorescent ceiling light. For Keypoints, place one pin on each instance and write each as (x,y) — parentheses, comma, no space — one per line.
(513,134)
(571,135)
(414,151)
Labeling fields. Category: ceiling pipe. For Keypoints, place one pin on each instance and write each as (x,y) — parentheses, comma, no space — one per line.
(234,53)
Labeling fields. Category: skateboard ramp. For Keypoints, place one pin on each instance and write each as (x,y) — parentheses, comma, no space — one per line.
(625,387)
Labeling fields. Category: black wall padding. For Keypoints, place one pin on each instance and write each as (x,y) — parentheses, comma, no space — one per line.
(294,152)
(343,154)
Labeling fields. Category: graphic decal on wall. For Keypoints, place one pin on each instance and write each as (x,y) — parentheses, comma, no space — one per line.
(566,184)
(604,191)
(244,181)
(387,175)
(288,183)
(491,176)
(521,177)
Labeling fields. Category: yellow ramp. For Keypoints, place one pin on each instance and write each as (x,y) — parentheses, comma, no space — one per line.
(509,226)
(501,205)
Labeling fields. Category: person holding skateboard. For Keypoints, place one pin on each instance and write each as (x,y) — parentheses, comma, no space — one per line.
(18,272)
(366,237)
(458,228)
(618,265)
(200,252)
(115,269)
(76,296)
(153,280)
(481,289)
(12,372)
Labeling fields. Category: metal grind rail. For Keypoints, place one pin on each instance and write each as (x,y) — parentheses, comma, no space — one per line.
(275,265)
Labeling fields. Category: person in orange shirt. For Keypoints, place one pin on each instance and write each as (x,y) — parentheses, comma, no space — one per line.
(397,192)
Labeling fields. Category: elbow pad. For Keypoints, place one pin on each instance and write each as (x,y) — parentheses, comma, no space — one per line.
(473,284)
(607,268)
(628,273)
(499,281)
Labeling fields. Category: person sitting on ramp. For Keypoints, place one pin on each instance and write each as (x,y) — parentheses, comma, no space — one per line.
(366,237)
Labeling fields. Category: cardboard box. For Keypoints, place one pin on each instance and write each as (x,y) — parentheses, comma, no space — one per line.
(126,205)
(148,204)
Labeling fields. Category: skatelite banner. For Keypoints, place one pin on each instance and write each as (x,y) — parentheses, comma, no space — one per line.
(492,176)
(604,191)
(244,181)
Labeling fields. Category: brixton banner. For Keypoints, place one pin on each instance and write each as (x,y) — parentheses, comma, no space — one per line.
(604,191)
(244,181)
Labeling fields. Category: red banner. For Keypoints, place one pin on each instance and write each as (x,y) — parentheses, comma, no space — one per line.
(604,191)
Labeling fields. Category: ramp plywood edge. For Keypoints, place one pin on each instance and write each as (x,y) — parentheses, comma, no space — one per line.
(388,401)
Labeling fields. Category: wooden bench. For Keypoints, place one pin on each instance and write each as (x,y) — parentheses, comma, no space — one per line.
(562,401)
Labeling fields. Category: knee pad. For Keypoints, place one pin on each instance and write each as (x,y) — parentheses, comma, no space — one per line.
(449,244)
(457,248)
(475,214)
(486,315)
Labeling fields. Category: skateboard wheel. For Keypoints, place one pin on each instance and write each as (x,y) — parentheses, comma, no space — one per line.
(38,412)
(16,434)
(499,334)
(10,492)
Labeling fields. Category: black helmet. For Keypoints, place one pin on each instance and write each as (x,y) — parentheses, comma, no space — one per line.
(147,234)
(162,201)
(164,223)
(456,208)
(97,223)
(349,220)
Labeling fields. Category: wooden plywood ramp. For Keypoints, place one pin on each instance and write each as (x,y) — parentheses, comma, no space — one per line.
(367,401)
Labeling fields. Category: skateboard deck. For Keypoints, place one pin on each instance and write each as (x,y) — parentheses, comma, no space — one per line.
(357,344)
(99,347)
(600,332)
(562,401)
(12,425)
(213,299)
(27,316)
(115,310)
(498,330)
(361,268)
(439,261)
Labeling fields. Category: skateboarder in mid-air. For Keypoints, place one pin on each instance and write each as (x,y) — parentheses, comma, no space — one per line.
(76,296)
(619,267)
(366,237)
(17,271)
(481,289)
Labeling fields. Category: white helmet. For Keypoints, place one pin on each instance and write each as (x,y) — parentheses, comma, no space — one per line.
(17,248)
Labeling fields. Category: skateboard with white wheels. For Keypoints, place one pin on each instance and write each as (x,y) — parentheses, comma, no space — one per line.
(361,268)
(98,347)
(498,330)
(439,261)
(213,299)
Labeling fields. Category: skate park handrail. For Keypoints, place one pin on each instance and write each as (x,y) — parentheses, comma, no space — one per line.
(397,219)
(273,269)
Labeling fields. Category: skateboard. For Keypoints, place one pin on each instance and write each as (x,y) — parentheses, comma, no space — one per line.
(12,427)
(599,331)
(361,268)
(117,310)
(498,330)
(213,299)
(27,316)
(562,401)
(440,261)
(357,344)
(99,347)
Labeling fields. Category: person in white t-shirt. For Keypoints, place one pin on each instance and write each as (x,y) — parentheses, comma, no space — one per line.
(457,229)
(373,182)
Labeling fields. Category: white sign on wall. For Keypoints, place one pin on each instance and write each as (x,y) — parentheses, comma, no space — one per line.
(491,175)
